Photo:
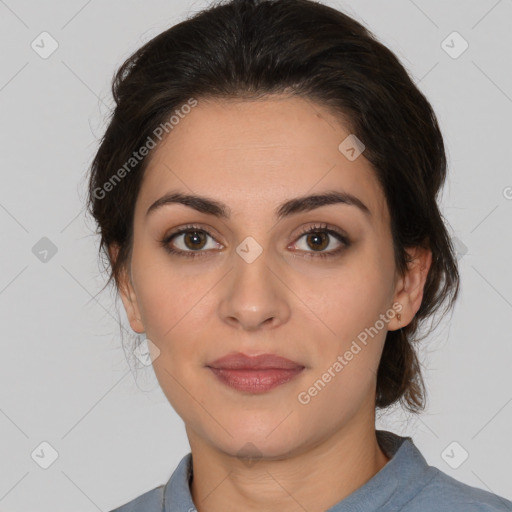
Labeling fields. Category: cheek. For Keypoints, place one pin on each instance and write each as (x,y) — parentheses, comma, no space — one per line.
(165,295)
(347,300)
(347,324)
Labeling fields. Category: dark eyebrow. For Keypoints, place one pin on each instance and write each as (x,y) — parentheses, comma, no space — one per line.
(296,205)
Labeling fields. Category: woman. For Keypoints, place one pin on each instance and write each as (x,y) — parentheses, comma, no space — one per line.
(266,195)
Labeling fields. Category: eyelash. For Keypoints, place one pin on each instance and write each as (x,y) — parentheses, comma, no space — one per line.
(311,229)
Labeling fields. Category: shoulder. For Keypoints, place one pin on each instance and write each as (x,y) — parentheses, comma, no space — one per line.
(174,492)
(150,501)
(442,490)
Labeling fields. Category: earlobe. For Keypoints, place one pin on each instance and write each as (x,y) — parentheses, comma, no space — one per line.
(409,289)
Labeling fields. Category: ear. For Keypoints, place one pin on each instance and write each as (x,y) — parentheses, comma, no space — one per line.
(409,288)
(128,295)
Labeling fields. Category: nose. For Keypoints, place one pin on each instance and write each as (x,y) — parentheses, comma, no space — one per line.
(253,296)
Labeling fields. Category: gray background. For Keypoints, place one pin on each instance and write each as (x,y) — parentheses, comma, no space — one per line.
(64,376)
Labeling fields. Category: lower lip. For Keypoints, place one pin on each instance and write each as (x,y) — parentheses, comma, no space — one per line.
(255,381)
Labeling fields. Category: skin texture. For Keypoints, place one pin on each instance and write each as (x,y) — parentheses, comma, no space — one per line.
(252,156)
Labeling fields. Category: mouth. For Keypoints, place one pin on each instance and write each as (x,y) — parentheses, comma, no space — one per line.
(254,374)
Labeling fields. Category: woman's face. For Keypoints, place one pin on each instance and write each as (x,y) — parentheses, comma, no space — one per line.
(257,284)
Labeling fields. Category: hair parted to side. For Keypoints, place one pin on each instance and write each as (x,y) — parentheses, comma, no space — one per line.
(247,49)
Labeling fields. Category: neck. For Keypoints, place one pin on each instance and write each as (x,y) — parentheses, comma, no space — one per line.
(314,478)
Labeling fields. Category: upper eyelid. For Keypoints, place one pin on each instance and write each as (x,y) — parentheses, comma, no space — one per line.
(187,228)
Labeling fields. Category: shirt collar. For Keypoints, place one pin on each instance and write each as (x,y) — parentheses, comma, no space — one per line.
(395,484)
(405,474)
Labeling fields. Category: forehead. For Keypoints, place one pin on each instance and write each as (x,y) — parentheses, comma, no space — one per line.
(256,154)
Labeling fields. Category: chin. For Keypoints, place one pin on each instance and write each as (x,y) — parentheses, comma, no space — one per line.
(270,440)
(258,449)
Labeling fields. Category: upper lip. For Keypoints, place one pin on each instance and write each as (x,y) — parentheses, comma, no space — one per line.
(240,361)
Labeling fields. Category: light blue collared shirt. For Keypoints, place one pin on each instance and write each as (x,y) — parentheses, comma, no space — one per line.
(406,483)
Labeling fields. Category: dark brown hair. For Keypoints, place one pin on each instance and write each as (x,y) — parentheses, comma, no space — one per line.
(247,49)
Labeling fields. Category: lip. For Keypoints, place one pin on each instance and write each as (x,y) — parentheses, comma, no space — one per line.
(254,374)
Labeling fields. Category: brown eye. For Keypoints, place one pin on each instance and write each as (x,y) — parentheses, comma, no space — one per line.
(194,239)
(317,240)
(190,242)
